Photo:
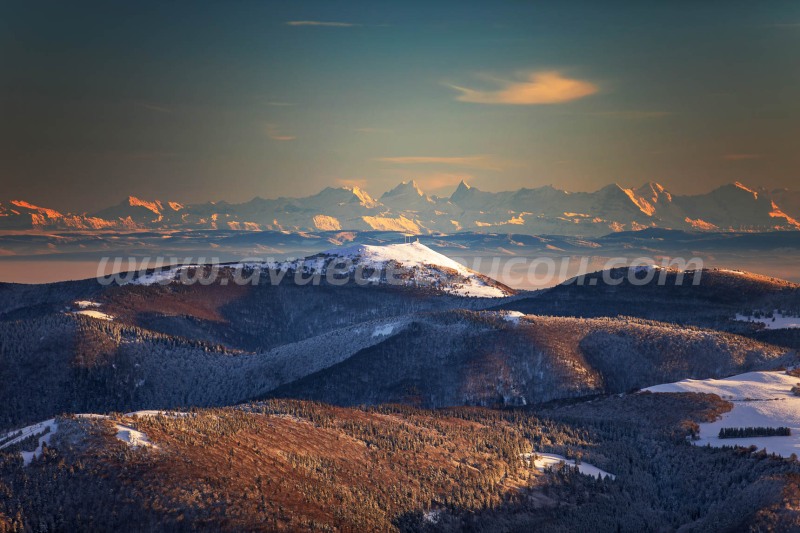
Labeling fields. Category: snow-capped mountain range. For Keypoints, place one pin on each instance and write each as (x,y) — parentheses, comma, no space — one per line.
(406,208)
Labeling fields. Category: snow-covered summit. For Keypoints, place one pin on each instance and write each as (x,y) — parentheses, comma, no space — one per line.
(424,266)
(406,188)
(410,255)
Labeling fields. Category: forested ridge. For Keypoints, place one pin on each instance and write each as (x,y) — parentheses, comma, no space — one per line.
(381,408)
(289,465)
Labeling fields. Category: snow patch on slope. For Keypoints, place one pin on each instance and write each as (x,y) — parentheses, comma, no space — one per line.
(167,275)
(132,437)
(86,304)
(47,429)
(94,314)
(780,321)
(152,412)
(513,316)
(383,331)
(552,460)
(159,276)
(89,308)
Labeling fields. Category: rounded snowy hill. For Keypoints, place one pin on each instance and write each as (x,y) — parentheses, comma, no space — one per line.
(417,265)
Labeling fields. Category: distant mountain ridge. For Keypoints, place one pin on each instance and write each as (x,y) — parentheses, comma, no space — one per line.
(407,208)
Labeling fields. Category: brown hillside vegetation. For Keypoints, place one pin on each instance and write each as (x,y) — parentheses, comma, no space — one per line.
(294,466)
(202,302)
(302,466)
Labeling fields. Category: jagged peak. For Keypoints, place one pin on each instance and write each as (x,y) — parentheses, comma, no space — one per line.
(740,185)
(653,191)
(154,206)
(363,197)
(614,188)
(736,187)
(51,213)
(405,187)
(356,194)
(653,186)
(641,203)
(462,190)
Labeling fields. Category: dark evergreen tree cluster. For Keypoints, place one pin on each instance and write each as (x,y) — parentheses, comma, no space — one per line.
(744,432)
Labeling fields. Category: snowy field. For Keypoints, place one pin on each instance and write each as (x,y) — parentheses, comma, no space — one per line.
(780,321)
(760,399)
(547,460)
(89,308)
(94,314)
(45,430)
(512,316)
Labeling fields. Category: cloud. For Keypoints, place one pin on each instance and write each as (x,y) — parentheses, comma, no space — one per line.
(125,155)
(538,88)
(373,130)
(280,104)
(632,115)
(741,157)
(474,161)
(321,23)
(274,133)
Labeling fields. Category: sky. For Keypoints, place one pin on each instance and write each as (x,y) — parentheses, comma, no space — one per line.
(198,101)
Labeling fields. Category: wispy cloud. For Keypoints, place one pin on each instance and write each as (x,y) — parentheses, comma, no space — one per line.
(537,88)
(280,104)
(373,130)
(330,24)
(274,132)
(741,157)
(632,115)
(473,161)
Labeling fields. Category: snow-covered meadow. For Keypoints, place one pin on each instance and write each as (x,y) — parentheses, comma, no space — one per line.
(760,399)
(777,321)
(552,460)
